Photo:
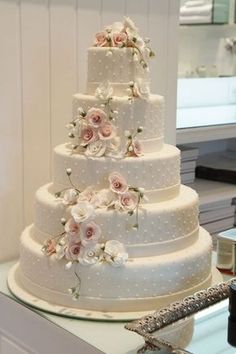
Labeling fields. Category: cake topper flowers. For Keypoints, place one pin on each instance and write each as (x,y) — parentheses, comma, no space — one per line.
(82,241)
(122,35)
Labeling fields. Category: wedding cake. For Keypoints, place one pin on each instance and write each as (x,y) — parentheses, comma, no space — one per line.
(115,231)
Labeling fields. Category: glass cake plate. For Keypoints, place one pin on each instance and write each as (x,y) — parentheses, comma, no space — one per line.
(24,296)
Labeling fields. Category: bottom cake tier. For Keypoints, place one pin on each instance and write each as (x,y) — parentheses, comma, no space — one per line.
(144,283)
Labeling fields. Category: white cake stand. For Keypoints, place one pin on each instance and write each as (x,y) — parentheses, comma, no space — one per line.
(27,298)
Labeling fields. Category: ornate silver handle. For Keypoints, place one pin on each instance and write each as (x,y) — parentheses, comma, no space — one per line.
(176,311)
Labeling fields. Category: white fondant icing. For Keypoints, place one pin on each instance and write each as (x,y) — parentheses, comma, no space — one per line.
(164,277)
(159,222)
(154,171)
(118,70)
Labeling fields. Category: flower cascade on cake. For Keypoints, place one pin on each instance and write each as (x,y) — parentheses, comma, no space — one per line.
(79,242)
(122,35)
(94,131)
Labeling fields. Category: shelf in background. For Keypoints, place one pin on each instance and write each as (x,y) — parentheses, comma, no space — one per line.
(213,193)
(206,101)
(208,133)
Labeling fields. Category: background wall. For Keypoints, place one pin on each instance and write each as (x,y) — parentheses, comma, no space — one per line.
(42,63)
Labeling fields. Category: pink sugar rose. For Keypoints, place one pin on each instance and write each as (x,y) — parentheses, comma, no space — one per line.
(107,131)
(72,228)
(119,39)
(118,183)
(101,39)
(128,200)
(88,135)
(50,247)
(95,117)
(91,232)
(73,251)
(87,195)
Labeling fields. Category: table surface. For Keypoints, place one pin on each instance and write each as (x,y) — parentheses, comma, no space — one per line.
(210,331)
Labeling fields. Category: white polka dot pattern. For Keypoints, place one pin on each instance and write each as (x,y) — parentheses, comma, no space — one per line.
(119,69)
(141,277)
(154,171)
(160,222)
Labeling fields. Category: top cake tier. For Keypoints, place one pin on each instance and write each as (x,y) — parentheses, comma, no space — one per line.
(120,57)
(119,69)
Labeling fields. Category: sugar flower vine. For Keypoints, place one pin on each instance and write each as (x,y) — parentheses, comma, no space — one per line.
(80,241)
(133,146)
(139,88)
(122,35)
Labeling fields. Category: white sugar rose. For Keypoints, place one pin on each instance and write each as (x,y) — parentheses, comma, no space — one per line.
(70,197)
(119,39)
(103,199)
(104,91)
(96,148)
(90,255)
(88,135)
(72,228)
(128,201)
(113,146)
(120,259)
(90,233)
(118,183)
(115,253)
(128,23)
(100,39)
(95,117)
(73,251)
(106,131)
(82,211)
(117,27)
(141,89)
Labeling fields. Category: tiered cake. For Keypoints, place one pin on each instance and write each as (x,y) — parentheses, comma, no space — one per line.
(115,230)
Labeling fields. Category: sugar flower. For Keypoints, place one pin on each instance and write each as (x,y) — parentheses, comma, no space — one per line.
(88,135)
(96,148)
(115,253)
(90,233)
(118,183)
(128,201)
(106,131)
(72,251)
(72,228)
(70,196)
(82,211)
(95,117)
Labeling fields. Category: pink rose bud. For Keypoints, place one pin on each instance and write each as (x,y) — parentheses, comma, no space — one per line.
(73,251)
(119,39)
(129,200)
(100,39)
(95,117)
(107,131)
(118,183)
(88,135)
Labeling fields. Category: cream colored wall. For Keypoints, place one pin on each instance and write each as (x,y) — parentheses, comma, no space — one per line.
(42,63)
